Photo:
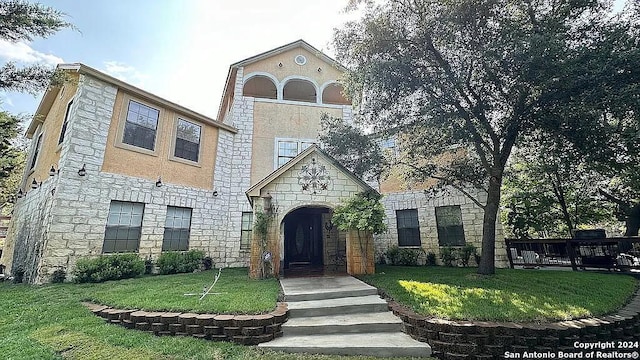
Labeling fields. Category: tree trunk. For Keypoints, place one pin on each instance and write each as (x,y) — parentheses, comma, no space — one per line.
(632,222)
(559,192)
(487,264)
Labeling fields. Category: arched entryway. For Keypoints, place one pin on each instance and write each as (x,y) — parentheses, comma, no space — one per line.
(311,244)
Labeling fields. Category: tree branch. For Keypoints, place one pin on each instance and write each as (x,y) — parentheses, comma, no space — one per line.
(447,182)
(624,206)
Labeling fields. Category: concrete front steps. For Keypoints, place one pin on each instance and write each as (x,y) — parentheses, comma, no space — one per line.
(341,315)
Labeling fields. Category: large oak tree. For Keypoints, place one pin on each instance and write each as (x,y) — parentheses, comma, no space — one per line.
(478,75)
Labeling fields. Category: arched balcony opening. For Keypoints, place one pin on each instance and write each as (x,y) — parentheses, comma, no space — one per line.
(299,90)
(334,94)
(260,86)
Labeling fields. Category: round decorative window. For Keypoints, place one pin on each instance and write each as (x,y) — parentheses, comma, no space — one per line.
(300,60)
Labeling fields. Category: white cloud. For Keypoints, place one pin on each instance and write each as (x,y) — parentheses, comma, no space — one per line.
(24,53)
(125,72)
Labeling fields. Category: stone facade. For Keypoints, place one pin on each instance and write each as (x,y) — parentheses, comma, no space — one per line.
(287,195)
(66,216)
(426,204)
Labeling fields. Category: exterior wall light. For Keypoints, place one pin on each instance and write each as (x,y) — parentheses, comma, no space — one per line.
(20,194)
(82,171)
(52,171)
(159,182)
(34,184)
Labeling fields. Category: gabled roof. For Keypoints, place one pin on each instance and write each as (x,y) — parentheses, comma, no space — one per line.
(254,191)
(267,54)
(293,45)
(50,95)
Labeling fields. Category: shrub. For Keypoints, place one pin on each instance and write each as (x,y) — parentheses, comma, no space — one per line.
(173,262)
(148,266)
(431,259)
(391,255)
(207,263)
(58,276)
(448,255)
(404,257)
(477,257)
(108,267)
(465,254)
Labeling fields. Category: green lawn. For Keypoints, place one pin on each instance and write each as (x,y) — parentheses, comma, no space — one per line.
(510,295)
(235,293)
(49,322)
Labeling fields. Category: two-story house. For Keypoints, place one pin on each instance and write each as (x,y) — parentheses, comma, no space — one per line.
(113,168)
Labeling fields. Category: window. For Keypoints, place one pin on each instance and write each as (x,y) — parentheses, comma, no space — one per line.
(187,141)
(450,230)
(247,230)
(140,127)
(123,227)
(176,229)
(36,151)
(288,149)
(66,121)
(408,227)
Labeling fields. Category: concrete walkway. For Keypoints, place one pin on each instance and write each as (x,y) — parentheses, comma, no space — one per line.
(341,315)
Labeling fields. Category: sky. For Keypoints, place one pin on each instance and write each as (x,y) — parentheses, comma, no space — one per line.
(177,49)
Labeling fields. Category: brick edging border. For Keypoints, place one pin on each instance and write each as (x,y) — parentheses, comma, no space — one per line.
(489,340)
(241,329)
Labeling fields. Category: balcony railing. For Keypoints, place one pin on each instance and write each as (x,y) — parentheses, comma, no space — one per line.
(617,253)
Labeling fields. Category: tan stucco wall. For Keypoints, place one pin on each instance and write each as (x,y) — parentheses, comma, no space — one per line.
(274,120)
(289,67)
(126,161)
(52,125)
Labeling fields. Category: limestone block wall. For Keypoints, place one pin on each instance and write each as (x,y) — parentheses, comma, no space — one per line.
(426,204)
(28,232)
(232,175)
(66,218)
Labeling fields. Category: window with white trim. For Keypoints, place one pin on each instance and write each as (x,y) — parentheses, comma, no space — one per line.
(124,225)
(287,149)
(187,145)
(177,228)
(141,125)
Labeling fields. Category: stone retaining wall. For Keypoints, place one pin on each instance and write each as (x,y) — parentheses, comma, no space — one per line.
(491,340)
(241,329)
